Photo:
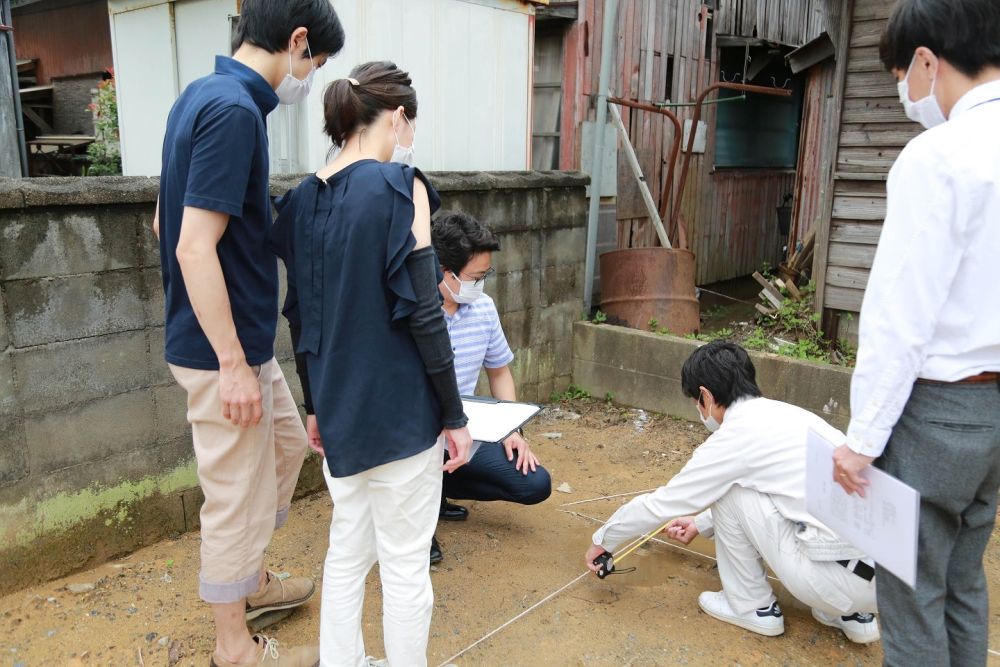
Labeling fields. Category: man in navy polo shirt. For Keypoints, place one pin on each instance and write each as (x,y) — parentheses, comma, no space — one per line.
(221,293)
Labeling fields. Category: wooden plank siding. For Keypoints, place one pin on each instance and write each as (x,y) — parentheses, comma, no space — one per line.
(791,22)
(872,131)
(816,153)
(660,53)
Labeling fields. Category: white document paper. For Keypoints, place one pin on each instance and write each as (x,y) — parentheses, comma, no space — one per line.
(883,524)
(493,421)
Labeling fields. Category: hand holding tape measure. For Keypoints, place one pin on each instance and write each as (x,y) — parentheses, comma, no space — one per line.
(606,563)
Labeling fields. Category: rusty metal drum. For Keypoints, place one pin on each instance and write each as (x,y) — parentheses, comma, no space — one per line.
(643,284)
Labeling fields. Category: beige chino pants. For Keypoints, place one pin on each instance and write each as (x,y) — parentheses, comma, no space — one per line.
(248,476)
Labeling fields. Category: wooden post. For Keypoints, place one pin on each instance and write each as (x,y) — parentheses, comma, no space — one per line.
(823,223)
(633,161)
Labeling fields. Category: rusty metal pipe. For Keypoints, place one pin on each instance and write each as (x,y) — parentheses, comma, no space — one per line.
(742,87)
(674,151)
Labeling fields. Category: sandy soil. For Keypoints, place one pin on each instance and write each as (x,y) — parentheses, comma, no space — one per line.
(144,610)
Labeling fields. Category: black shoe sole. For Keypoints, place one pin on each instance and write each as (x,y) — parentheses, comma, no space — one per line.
(291,604)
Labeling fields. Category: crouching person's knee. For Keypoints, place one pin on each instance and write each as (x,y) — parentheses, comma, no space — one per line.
(537,487)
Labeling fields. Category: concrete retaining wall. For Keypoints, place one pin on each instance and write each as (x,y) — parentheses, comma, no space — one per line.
(643,370)
(95,453)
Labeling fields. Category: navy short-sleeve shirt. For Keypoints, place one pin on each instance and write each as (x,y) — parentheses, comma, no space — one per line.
(215,157)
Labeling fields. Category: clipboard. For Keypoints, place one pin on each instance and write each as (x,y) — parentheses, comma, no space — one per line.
(884,524)
(493,420)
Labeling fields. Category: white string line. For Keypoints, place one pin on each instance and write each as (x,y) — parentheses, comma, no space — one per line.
(697,553)
(617,495)
(523,613)
(513,620)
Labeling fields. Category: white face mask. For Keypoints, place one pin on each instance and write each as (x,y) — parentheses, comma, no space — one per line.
(292,90)
(927,110)
(710,422)
(469,292)
(405,156)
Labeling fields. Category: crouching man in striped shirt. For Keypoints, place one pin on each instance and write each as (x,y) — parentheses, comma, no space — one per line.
(506,470)
(748,483)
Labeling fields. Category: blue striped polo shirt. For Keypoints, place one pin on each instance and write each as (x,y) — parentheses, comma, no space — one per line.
(477,339)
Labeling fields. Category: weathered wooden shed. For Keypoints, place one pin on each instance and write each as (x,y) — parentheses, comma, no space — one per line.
(872,130)
(752,154)
(63,49)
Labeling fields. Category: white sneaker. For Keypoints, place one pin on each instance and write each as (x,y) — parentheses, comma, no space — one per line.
(767,621)
(371,661)
(859,628)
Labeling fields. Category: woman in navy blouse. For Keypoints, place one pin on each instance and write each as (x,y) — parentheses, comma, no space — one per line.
(373,352)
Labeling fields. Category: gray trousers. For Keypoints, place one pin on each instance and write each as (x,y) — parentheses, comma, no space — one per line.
(947,446)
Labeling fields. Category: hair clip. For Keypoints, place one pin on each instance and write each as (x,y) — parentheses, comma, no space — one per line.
(354,82)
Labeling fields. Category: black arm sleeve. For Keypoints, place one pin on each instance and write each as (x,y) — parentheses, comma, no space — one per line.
(301,369)
(431,335)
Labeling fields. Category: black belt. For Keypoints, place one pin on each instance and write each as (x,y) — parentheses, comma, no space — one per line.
(982,378)
(861,568)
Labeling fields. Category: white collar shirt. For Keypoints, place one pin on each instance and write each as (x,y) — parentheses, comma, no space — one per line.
(932,305)
(761,446)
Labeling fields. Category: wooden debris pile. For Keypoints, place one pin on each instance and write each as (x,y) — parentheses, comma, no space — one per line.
(772,294)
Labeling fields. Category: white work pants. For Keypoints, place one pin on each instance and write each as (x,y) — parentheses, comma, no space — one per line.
(387,514)
(749,532)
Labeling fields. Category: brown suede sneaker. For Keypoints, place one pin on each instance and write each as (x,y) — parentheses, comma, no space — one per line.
(273,656)
(279,594)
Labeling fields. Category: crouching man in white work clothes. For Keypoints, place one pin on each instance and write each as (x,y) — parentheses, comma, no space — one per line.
(748,482)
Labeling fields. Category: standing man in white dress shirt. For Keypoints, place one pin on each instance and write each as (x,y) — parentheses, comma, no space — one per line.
(748,482)
(925,398)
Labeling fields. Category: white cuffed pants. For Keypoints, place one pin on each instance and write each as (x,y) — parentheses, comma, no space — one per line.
(386,514)
(749,532)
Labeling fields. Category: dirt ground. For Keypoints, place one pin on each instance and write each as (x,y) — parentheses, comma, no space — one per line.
(144,610)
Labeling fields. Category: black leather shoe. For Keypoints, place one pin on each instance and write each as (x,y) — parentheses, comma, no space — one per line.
(436,555)
(452,512)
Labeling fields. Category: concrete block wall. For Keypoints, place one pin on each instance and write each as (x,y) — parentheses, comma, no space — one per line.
(538,287)
(643,369)
(95,453)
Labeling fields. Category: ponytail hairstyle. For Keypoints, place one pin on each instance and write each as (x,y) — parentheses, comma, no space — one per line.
(370,89)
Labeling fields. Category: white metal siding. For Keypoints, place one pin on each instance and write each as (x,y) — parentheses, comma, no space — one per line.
(202,29)
(470,62)
(146,74)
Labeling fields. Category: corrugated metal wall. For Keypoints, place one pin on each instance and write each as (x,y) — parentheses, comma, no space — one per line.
(661,53)
(873,131)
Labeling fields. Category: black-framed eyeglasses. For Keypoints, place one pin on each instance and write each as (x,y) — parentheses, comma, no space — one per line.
(482,279)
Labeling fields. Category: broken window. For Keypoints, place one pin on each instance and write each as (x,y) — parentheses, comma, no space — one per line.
(758,131)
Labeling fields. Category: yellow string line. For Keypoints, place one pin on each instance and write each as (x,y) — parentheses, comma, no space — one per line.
(658,541)
(642,540)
